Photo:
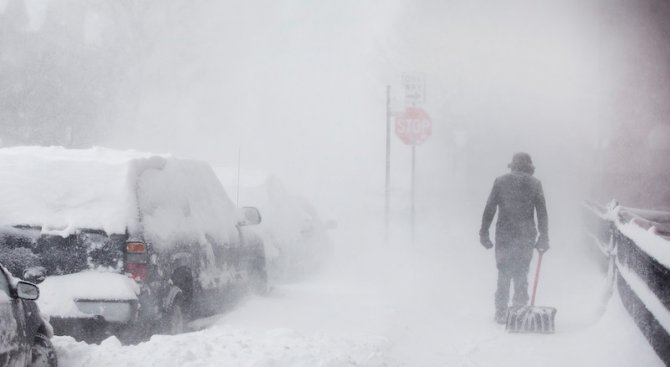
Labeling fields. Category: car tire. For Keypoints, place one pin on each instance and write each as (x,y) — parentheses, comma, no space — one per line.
(176,323)
(174,320)
(42,352)
(259,281)
(258,276)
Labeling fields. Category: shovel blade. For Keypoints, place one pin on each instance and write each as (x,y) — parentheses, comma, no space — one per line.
(531,319)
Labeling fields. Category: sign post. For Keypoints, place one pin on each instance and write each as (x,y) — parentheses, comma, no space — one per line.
(412,210)
(413,126)
(388,164)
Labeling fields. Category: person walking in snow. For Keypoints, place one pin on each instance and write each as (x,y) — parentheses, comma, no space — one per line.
(518,197)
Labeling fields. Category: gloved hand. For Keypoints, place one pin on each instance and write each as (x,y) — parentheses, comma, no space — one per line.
(542,244)
(486,242)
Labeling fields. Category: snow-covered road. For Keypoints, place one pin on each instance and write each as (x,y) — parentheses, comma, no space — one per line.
(426,307)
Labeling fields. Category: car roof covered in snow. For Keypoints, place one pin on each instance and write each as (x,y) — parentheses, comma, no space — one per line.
(61,190)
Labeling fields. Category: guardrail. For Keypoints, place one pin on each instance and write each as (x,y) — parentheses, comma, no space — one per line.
(635,245)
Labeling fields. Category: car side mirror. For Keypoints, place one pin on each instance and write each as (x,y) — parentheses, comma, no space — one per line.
(25,290)
(251,216)
(35,274)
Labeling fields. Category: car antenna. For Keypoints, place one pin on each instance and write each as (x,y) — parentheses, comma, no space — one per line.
(239,160)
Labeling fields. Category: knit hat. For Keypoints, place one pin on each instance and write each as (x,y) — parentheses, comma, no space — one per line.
(522,162)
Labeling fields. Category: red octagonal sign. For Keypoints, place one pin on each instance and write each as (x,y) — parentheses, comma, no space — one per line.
(413,126)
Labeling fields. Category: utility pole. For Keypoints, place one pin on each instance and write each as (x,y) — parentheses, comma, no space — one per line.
(413,220)
(388,164)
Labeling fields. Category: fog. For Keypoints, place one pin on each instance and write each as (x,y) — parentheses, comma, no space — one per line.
(298,89)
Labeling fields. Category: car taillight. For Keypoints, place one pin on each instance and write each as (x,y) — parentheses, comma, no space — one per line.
(137,271)
(136,260)
(135,247)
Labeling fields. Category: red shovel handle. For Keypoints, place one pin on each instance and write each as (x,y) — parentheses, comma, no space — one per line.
(537,278)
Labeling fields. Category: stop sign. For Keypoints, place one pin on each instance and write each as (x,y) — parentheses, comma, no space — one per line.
(413,126)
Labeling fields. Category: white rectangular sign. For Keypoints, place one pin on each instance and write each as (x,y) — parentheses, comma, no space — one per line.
(414,86)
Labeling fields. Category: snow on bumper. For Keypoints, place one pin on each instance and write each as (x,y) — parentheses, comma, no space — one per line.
(89,294)
(111,311)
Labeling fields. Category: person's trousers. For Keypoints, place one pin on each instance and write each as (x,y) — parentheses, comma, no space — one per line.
(517,275)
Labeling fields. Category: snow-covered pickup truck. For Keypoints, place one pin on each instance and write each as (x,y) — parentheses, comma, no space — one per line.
(128,243)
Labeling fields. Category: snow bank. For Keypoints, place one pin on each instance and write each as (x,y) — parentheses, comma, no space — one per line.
(224,346)
(58,293)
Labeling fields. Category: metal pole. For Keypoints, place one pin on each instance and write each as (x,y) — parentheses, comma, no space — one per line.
(413,187)
(388,164)
(239,161)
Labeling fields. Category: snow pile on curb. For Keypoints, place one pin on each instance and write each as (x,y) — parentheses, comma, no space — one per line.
(224,346)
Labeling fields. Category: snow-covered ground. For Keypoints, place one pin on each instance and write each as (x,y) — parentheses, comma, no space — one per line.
(430,305)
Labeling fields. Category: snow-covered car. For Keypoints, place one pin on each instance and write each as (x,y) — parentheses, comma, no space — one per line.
(24,334)
(296,239)
(128,243)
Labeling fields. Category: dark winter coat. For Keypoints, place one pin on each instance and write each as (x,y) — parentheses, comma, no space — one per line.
(517,196)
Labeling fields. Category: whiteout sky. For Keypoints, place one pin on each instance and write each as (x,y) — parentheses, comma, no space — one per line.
(298,87)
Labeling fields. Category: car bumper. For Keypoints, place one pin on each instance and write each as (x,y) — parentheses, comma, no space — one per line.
(121,312)
(97,319)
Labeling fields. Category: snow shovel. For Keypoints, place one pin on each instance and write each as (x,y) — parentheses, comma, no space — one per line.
(531,319)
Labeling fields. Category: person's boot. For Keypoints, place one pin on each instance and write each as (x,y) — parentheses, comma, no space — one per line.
(501,316)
